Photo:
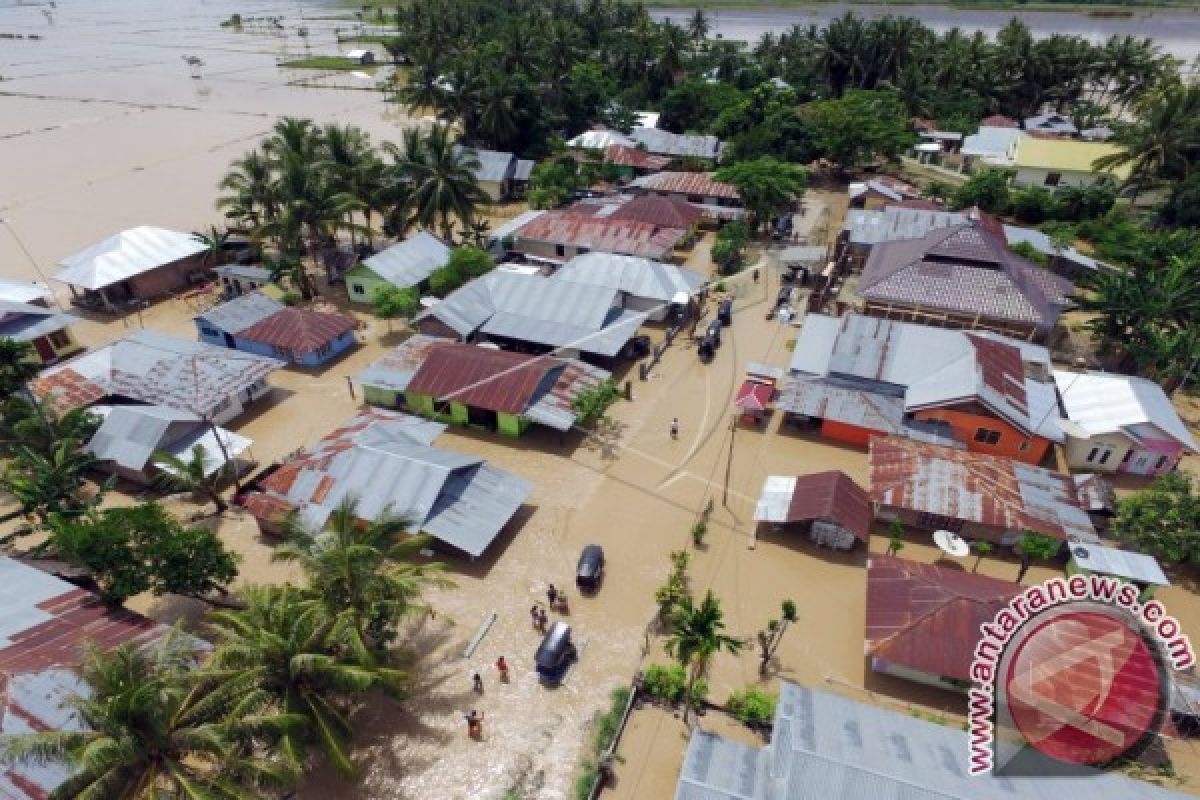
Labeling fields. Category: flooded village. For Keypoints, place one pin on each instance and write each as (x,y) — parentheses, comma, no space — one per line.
(831,422)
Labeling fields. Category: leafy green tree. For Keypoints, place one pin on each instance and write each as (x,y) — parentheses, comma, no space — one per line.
(51,483)
(693,105)
(18,366)
(895,537)
(281,648)
(729,248)
(146,734)
(1163,519)
(472,262)
(591,405)
(1182,208)
(1034,546)
(191,475)
(987,190)
(770,636)
(552,183)
(1032,205)
(766,187)
(391,302)
(362,574)
(133,549)
(860,127)
(37,425)
(981,548)
(697,634)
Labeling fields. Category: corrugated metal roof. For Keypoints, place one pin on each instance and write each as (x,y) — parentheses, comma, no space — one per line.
(829,495)
(600,139)
(691,183)
(640,277)
(715,768)
(1103,402)
(973,487)
(927,618)
(251,273)
(1066,155)
(126,254)
(803,254)
(241,312)
(494,166)
(156,369)
(26,322)
(383,459)
(601,233)
(669,212)
(298,331)
(410,262)
(897,224)
(523,169)
(677,145)
(481,377)
(395,368)
(129,436)
(1122,563)
(623,155)
(44,622)
(991,142)
(23,291)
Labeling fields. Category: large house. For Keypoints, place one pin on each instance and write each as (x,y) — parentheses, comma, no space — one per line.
(980,497)
(963,276)
(47,331)
(718,201)
(923,620)
(45,625)
(828,747)
(654,141)
(466,384)
(407,264)
(500,175)
(1120,423)
(643,285)
(255,323)
(536,314)
(1053,161)
(384,462)
(666,212)
(138,264)
(556,236)
(146,367)
(860,377)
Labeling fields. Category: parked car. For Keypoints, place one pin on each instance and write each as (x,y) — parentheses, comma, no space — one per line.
(714,331)
(725,311)
(707,347)
(590,567)
(555,654)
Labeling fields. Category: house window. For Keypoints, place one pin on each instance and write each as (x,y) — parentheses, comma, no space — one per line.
(560,250)
(209,331)
(986,436)
(581,250)
(695,198)
(357,288)
(59,339)
(1162,462)
(1023,446)
(1104,458)
(324,350)
(1092,455)
(1053,178)
(1128,455)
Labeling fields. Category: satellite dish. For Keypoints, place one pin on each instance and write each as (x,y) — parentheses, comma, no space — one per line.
(951,543)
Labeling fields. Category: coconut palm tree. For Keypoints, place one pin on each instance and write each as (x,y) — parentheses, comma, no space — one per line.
(1164,143)
(698,26)
(444,186)
(425,90)
(18,366)
(362,573)
(281,649)
(251,196)
(148,734)
(190,475)
(45,484)
(696,636)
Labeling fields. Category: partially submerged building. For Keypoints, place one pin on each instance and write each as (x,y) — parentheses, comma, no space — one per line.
(643,285)
(46,330)
(138,264)
(405,265)
(976,496)
(385,462)
(31,292)
(834,510)
(255,323)
(719,201)
(239,279)
(860,377)
(923,620)
(145,367)
(1120,423)
(557,236)
(501,175)
(44,629)
(466,384)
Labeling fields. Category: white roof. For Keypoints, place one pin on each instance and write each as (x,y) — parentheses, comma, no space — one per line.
(647,119)
(1103,402)
(126,254)
(989,142)
(23,291)
(1121,563)
(775,499)
(599,140)
(411,261)
(357,54)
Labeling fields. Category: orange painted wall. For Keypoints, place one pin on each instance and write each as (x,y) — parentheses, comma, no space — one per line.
(850,434)
(965,424)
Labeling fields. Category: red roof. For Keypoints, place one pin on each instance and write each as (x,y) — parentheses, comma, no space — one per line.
(1003,371)
(754,396)
(916,203)
(700,183)
(299,330)
(926,617)
(668,212)
(481,377)
(625,156)
(998,121)
(833,496)
(624,237)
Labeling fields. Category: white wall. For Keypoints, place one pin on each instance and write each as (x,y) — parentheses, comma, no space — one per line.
(1031,176)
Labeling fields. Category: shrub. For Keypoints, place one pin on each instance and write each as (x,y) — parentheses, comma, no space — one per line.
(469,262)
(699,531)
(666,682)
(752,707)
(290,298)
(590,405)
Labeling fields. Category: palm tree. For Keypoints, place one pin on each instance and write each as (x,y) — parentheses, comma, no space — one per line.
(252,197)
(362,573)
(147,734)
(18,366)
(190,475)
(51,483)
(280,649)
(1164,143)
(696,636)
(444,185)
(698,26)
(425,90)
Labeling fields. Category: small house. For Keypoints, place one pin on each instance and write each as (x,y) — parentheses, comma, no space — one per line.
(1053,162)
(365,58)
(405,265)
(255,323)
(677,145)
(880,192)
(502,176)
(633,161)
(720,202)
(238,279)
(1120,424)
(557,236)
(47,331)
(1139,569)
(834,510)
(643,285)
(135,265)
(32,292)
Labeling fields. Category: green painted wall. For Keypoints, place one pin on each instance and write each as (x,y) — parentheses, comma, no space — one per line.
(458,413)
(384,398)
(511,424)
(362,278)
(421,403)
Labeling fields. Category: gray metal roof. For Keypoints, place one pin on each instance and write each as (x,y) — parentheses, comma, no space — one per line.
(394,369)
(523,169)
(23,291)
(241,312)
(897,224)
(1104,402)
(988,142)
(494,166)
(640,277)
(1122,563)
(824,746)
(129,436)
(1050,122)
(126,254)
(661,142)
(803,254)
(26,322)
(410,262)
(250,273)
(1043,244)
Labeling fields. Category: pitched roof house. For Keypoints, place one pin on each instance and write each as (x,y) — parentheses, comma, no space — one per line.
(978,496)
(559,235)
(45,624)
(136,264)
(923,620)
(667,212)
(963,276)
(636,159)
(32,292)
(1121,423)
(677,145)
(499,174)
(386,462)
(644,285)
(406,264)
(717,200)
(1054,161)
(46,330)
(865,376)
(836,510)
(146,367)
(255,323)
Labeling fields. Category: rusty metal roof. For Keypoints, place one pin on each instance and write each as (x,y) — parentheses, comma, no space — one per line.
(700,183)
(925,617)
(829,495)
(974,487)
(654,209)
(607,235)
(481,377)
(625,156)
(299,330)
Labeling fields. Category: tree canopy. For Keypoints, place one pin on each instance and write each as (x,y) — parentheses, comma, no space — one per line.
(1163,519)
(860,127)
(766,186)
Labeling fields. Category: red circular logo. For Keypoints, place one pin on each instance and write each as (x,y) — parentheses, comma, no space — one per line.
(1084,687)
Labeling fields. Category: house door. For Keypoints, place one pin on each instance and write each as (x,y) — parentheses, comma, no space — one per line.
(1142,462)
(44,350)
